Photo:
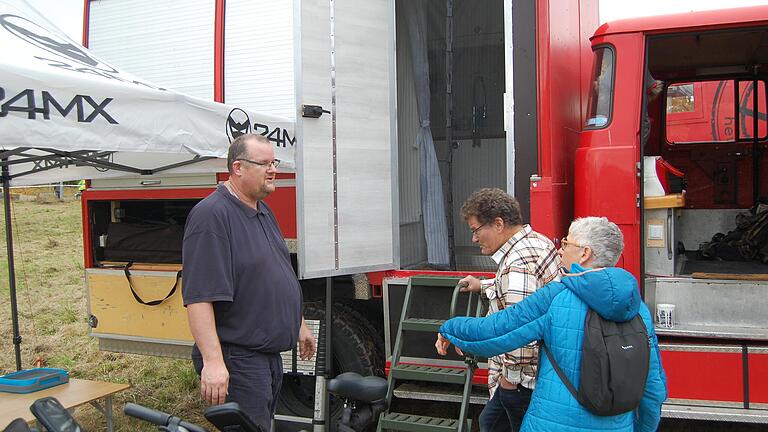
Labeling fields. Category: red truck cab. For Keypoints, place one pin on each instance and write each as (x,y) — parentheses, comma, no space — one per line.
(685,89)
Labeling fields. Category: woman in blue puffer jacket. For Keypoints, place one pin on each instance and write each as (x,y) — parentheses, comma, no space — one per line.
(555,314)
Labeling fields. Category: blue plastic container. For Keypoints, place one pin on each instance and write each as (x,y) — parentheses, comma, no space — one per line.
(32,380)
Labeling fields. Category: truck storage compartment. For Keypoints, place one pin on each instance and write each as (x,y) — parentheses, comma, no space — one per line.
(147,231)
(134,283)
(739,370)
(118,317)
(711,308)
(684,241)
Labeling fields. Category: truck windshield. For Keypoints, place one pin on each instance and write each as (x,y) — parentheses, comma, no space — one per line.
(601,89)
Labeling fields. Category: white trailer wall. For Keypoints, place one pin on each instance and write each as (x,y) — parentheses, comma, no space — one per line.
(259,56)
(168,43)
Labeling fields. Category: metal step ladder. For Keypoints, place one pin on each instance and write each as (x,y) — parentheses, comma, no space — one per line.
(395,421)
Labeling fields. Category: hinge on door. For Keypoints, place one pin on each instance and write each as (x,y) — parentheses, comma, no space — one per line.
(637,200)
(639,169)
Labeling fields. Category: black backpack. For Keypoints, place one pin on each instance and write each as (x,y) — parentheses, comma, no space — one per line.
(614,365)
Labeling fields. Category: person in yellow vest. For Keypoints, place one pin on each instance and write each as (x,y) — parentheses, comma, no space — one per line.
(80,188)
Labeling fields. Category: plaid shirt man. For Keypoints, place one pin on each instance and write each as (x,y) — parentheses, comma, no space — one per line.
(527,261)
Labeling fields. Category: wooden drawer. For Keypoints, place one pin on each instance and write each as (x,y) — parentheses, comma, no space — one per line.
(118,314)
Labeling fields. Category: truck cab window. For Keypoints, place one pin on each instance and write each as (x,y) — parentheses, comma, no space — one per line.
(601,89)
(680,98)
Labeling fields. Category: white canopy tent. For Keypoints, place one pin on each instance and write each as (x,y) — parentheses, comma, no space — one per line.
(80,111)
(67,115)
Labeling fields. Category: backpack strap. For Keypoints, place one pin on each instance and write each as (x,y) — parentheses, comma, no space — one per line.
(136,295)
(560,372)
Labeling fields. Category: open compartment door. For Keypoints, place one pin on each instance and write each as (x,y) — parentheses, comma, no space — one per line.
(346,158)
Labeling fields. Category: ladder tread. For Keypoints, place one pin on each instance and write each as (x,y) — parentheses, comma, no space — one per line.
(419,423)
(434,281)
(422,324)
(449,375)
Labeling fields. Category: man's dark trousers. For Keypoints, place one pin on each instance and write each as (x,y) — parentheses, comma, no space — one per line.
(505,411)
(254,380)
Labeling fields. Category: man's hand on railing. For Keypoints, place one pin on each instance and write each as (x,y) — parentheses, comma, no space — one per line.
(470,284)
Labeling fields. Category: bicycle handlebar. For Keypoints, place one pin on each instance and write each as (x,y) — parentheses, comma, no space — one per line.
(158,417)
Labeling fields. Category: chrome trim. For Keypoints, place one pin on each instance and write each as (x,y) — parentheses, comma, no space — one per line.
(700,348)
(395,191)
(335,173)
(140,339)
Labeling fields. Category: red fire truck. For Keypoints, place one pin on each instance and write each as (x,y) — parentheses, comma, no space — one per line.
(708,120)
(402,109)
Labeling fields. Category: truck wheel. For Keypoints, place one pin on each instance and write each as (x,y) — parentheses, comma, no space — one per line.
(351,353)
(372,336)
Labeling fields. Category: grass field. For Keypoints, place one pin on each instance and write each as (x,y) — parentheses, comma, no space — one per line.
(53,320)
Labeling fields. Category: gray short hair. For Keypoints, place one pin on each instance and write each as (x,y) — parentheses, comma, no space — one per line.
(239,150)
(602,236)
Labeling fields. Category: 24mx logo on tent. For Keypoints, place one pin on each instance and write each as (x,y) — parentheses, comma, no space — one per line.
(26,102)
(238,123)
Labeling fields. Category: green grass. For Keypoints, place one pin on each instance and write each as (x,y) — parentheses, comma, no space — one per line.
(48,249)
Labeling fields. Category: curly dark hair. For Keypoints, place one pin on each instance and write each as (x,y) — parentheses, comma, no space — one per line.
(489,203)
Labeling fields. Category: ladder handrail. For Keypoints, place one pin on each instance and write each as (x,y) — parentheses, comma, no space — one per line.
(470,360)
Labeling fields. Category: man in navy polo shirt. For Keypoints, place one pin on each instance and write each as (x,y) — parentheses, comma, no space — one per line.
(243,300)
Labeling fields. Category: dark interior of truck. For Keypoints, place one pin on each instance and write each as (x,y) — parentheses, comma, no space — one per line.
(138,230)
(704,136)
(703,90)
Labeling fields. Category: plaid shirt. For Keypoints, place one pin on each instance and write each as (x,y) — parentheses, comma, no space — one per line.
(527,261)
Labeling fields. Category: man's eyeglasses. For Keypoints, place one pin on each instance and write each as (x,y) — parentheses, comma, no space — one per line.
(474,231)
(275,163)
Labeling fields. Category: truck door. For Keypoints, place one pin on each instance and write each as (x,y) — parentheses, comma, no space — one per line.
(345,128)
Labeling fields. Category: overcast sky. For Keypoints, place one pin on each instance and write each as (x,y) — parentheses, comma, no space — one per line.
(68,14)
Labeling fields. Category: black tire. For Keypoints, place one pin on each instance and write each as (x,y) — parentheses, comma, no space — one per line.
(351,353)
(371,334)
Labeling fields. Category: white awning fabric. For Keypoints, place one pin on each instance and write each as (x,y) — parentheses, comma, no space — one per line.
(66,115)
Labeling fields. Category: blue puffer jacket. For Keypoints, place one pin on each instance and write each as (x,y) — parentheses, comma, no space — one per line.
(555,314)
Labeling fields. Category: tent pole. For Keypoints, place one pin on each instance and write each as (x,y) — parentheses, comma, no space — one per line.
(11,268)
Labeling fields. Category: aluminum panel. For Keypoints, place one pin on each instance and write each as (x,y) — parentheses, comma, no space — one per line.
(698,302)
(364,44)
(345,159)
(258,58)
(168,43)
(314,155)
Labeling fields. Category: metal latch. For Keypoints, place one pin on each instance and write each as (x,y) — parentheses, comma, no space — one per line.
(313,111)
